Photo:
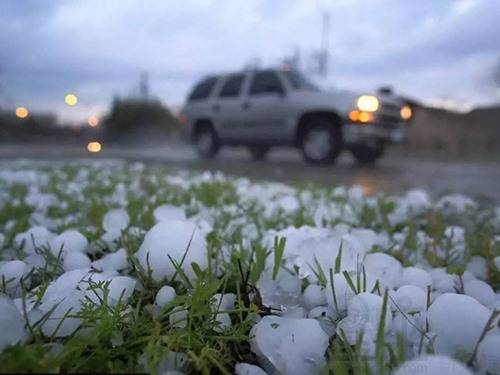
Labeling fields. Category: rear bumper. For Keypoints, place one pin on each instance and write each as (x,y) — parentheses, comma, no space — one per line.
(355,133)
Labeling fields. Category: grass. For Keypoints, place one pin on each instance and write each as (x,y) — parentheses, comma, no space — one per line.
(136,335)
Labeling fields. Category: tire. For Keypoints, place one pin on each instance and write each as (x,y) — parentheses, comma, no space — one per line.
(259,152)
(206,142)
(321,140)
(365,154)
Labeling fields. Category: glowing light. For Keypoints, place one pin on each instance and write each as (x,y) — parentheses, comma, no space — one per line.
(93,121)
(71,99)
(22,112)
(406,112)
(365,117)
(368,103)
(354,116)
(94,147)
(357,116)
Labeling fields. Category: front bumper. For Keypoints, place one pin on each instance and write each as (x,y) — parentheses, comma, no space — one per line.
(355,133)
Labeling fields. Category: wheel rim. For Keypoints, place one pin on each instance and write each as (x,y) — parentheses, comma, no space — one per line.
(317,144)
(204,142)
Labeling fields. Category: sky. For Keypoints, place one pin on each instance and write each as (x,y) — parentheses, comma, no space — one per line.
(431,50)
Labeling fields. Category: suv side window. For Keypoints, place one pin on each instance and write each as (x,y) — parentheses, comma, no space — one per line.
(203,89)
(265,83)
(232,86)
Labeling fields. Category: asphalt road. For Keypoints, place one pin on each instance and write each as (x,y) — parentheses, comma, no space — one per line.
(394,173)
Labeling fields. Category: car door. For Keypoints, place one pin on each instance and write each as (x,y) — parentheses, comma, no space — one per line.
(266,107)
(227,108)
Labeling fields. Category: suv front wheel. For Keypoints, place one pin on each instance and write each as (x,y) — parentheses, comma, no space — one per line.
(206,142)
(321,140)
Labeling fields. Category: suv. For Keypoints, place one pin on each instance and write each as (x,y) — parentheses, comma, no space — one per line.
(280,107)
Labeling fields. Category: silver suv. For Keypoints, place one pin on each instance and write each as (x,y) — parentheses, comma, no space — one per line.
(277,107)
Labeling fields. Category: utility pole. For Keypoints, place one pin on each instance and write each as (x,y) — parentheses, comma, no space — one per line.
(323,55)
(144,86)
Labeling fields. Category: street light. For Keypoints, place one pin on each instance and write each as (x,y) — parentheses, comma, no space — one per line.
(71,99)
(22,112)
(93,121)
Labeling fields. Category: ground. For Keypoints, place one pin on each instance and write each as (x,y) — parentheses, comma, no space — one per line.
(113,266)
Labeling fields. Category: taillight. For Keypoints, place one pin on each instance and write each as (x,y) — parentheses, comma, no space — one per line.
(183,120)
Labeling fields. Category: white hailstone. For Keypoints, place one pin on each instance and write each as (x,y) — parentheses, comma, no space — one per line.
(481,291)
(11,273)
(121,289)
(167,212)
(478,266)
(35,261)
(442,281)
(12,324)
(340,295)
(284,291)
(323,315)
(61,321)
(314,295)
(488,355)
(367,308)
(173,239)
(294,312)
(410,326)
(288,203)
(248,369)
(432,365)
(458,321)
(223,322)
(33,238)
(67,242)
(165,295)
(74,261)
(171,363)
(350,327)
(116,261)
(178,318)
(290,346)
(110,237)
(455,203)
(410,299)
(366,237)
(223,302)
(383,267)
(115,220)
(416,276)
(307,246)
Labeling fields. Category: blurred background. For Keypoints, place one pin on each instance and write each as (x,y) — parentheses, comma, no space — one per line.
(81,77)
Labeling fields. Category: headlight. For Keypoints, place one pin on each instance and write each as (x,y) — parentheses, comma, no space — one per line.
(406,112)
(368,103)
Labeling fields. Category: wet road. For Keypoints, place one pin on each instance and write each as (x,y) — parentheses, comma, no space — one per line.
(394,173)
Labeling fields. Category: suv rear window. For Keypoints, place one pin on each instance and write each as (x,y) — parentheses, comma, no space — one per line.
(232,86)
(266,82)
(203,89)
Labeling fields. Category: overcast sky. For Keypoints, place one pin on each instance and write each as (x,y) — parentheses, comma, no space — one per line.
(428,49)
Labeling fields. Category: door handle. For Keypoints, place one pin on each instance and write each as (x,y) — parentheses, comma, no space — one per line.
(216,108)
(245,105)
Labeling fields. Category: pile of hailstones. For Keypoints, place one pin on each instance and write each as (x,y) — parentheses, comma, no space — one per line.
(295,340)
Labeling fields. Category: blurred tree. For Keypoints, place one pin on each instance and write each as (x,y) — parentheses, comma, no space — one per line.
(138,120)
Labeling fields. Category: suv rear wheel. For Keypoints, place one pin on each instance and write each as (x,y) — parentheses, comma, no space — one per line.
(366,154)
(206,142)
(321,140)
(259,152)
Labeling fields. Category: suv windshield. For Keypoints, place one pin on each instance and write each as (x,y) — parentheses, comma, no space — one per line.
(299,81)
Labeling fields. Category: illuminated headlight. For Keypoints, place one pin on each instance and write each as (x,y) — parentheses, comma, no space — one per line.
(406,112)
(367,103)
